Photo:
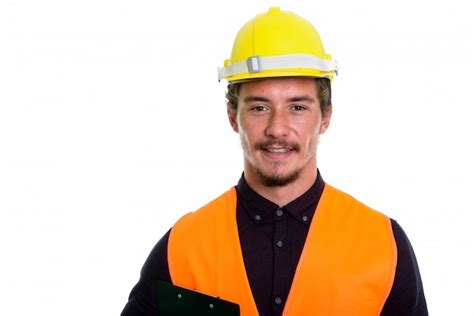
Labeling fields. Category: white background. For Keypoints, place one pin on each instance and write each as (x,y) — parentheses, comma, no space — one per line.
(113,125)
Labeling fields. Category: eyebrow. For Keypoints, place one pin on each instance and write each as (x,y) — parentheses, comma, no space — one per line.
(302,98)
(293,99)
(255,99)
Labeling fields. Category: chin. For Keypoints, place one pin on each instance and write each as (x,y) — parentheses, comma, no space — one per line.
(277,180)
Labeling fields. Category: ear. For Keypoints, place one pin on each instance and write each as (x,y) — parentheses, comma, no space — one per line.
(232,115)
(325,122)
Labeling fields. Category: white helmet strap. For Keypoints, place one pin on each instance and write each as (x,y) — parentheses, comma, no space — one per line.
(257,64)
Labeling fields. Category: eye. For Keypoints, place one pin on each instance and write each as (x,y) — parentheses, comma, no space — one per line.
(298,107)
(258,108)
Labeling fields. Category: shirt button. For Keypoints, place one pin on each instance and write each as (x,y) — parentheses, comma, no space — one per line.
(279,244)
(279,212)
(258,218)
(278,300)
(305,218)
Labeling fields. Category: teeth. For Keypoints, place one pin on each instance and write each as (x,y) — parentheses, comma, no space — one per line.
(280,150)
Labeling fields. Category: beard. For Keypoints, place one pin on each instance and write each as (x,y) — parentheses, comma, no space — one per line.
(272,181)
(276,180)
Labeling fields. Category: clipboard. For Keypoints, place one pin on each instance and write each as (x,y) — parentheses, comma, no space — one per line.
(178,301)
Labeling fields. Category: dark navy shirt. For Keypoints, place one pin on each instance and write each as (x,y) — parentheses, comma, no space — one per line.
(272,239)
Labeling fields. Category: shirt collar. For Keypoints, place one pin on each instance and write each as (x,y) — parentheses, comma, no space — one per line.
(262,210)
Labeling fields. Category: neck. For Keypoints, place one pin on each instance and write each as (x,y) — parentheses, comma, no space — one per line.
(284,194)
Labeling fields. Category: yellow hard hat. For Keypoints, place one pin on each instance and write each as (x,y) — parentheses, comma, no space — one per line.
(277,44)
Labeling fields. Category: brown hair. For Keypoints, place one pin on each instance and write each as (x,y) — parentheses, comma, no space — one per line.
(324,94)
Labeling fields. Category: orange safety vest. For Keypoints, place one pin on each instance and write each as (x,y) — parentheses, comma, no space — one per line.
(347,266)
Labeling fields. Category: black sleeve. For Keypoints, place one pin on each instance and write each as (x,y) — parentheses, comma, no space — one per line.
(141,301)
(406,296)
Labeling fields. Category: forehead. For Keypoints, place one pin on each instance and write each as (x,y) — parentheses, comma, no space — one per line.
(286,87)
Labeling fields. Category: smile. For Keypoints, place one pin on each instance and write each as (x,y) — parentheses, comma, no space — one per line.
(277,150)
(277,153)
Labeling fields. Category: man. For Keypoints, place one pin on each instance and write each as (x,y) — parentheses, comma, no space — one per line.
(283,242)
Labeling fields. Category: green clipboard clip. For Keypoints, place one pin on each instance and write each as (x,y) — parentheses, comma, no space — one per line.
(178,301)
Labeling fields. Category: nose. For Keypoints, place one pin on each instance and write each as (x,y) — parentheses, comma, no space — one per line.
(277,126)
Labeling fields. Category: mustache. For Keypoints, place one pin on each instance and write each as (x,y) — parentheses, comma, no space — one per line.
(278,143)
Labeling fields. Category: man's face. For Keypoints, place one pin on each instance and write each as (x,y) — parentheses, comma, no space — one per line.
(279,121)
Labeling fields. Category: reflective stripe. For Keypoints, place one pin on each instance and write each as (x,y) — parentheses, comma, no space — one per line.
(258,64)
